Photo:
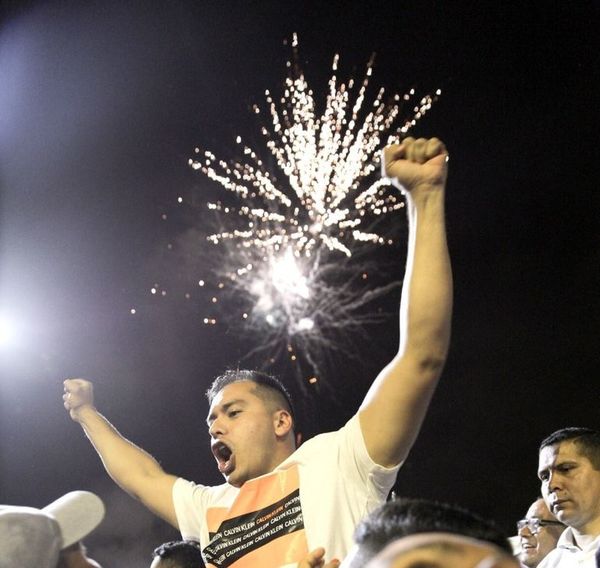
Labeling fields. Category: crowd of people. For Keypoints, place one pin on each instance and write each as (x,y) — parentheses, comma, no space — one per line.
(325,502)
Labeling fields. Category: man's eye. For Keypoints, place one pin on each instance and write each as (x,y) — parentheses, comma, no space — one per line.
(233,413)
(544,476)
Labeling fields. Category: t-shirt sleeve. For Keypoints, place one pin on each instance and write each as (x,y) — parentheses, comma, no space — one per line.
(355,460)
(189,501)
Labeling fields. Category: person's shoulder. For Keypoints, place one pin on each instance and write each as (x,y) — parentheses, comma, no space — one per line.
(327,438)
(212,492)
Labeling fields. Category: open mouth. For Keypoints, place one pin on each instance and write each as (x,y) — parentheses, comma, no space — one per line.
(224,457)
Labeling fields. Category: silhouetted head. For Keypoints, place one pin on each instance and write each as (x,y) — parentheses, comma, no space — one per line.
(404,516)
(178,554)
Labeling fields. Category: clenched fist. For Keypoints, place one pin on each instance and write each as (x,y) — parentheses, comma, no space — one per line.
(416,164)
(79,394)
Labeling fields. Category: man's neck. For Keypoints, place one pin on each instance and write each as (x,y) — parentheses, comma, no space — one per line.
(586,534)
(284,455)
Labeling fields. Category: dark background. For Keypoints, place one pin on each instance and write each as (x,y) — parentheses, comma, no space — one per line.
(101,105)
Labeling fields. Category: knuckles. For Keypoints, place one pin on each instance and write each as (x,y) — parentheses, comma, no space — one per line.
(418,151)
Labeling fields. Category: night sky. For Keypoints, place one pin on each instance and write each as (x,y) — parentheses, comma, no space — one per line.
(102,104)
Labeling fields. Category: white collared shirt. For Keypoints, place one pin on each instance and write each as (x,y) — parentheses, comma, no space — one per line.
(567,554)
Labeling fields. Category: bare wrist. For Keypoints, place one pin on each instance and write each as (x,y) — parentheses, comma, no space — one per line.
(424,194)
(83,412)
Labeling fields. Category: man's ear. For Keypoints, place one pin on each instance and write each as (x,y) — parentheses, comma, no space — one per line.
(283,423)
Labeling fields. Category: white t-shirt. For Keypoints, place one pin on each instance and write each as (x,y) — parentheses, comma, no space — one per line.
(567,554)
(314,498)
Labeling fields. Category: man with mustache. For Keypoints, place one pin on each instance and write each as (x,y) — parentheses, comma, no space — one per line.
(569,469)
(280,501)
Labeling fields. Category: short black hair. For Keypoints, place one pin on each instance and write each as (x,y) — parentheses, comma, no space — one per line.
(180,554)
(269,388)
(406,516)
(586,440)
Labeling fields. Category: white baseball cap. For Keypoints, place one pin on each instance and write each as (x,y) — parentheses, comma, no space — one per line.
(33,538)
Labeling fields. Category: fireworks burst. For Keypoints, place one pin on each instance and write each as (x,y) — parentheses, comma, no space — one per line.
(293,247)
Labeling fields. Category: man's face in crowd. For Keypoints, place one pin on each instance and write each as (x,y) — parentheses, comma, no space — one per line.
(244,433)
(441,550)
(535,547)
(570,486)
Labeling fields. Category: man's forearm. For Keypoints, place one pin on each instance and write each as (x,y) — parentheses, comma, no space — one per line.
(124,461)
(136,471)
(426,306)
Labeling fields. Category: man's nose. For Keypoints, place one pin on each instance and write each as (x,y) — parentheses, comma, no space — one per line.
(554,482)
(216,428)
(525,532)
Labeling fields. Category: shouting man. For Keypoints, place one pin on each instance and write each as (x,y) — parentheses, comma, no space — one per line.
(280,501)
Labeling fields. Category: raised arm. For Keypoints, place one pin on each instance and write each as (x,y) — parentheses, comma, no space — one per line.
(395,406)
(133,469)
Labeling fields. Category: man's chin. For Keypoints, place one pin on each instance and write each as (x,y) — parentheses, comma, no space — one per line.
(528,558)
(234,480)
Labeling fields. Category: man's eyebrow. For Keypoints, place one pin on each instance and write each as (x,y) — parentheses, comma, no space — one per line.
(559,463)
(569,461)
(224,408)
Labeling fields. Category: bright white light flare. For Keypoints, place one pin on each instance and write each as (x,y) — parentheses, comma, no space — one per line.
(7,332)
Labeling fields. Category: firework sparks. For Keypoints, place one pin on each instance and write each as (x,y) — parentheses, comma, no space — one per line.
(293,246)
(305,309)
(325,160)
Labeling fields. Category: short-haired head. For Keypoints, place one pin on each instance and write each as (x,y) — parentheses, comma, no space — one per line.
(268,388)
(178,554)
(405,516)
(586,440)
(442,550)
(535,540)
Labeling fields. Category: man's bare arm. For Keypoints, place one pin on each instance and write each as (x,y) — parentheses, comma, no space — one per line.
(133,469)
(395,406)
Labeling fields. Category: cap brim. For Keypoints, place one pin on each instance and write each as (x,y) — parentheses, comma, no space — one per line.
(78,513)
